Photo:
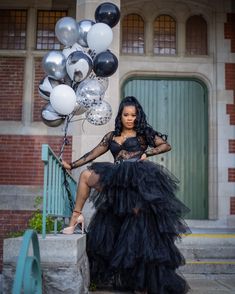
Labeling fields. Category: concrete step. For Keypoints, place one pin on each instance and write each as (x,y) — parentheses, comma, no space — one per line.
(209,266)
(208,246)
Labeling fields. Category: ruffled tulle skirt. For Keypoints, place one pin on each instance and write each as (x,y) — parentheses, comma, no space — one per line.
(131,237)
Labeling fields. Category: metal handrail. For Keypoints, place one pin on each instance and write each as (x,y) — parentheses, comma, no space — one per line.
(59,189)
(28,270)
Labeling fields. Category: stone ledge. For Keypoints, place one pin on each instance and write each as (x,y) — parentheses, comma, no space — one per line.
(64,263)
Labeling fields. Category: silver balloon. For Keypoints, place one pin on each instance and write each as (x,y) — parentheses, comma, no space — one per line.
(66,30)
(54,64)
(89,92)
(79,109)
(50,117)
(83,28)
(100,113)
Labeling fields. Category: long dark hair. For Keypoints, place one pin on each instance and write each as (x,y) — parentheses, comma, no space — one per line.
(141,127)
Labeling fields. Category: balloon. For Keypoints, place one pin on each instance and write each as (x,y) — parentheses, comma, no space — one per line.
(66,30)
(79,66)
(83,28)
(79,109)
(104,82)
(105,64)
(50,117)
(68,50)
(107,13)
(99,37)
(63,99)
(100,113)
(54,64)
(89,92)
(45,87)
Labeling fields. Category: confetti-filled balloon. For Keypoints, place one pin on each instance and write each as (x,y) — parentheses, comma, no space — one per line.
(89,92)
(100,113)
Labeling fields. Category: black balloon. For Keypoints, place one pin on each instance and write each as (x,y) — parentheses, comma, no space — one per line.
(105,64)
(107,13)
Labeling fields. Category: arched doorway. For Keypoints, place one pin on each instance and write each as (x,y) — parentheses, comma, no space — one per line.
(179,108)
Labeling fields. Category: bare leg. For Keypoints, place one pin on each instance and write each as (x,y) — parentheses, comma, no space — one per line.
(83,191)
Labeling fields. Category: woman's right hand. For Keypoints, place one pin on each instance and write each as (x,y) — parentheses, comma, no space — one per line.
(66,165)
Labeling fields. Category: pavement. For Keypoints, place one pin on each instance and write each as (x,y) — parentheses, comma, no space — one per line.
(201,284)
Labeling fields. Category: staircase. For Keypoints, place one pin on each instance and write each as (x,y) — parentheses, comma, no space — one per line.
(209,251)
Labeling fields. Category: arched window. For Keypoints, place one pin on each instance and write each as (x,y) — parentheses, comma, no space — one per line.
(196,35)
(164,41)
(133,34)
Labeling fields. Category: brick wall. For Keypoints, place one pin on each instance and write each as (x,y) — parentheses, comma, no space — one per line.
(11,88)
(12,221)
(39,102)
(20,158)
(229,33)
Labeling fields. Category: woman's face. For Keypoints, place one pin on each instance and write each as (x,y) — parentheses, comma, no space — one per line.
(128,117)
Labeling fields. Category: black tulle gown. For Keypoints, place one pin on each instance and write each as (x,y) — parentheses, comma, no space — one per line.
(130,241)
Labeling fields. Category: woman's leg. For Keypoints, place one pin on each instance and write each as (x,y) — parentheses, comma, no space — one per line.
(88,179)
(83,191)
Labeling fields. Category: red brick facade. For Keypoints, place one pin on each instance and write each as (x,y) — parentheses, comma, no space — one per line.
(11,88)
(21,158)
(232,205)
(229,33)
(39,102)
(12,221)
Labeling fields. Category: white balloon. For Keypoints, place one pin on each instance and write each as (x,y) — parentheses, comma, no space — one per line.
(63,99)
(99,37)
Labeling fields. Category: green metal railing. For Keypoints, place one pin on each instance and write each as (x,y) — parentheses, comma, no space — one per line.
(59,189)
(28,276)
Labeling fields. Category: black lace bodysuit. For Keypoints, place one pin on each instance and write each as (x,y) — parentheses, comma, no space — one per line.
(131,148)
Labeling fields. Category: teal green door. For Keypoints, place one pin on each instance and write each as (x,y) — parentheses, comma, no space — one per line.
(179,108)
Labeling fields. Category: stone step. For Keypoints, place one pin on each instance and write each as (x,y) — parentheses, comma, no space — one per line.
(208,246)
(209,266)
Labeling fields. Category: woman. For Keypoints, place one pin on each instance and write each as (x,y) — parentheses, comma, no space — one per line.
(130,241)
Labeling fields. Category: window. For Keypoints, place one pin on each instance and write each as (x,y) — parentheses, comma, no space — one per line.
(164,42)
(46,21)
(196,35)
(13,29)
(133,34)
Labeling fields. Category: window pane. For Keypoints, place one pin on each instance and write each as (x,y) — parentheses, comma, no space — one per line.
(13,29)
(164,35)
(133,34)
(196,35)
(46,21)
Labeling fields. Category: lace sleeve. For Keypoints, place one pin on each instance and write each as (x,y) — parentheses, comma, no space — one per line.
(161,145)
(100,149)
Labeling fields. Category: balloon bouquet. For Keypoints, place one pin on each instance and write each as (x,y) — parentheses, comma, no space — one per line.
(77,77)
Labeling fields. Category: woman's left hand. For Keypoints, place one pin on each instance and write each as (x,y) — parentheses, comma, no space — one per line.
(143,157)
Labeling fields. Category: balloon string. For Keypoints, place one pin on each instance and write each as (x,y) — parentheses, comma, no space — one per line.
(65,139)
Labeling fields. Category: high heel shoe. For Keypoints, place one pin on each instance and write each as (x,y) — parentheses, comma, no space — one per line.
(80,220)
